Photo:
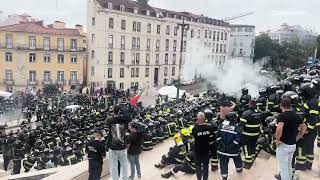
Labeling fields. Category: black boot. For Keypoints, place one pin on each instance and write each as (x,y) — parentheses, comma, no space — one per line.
(167,175)
(160,166)
(214,168)
(277,176)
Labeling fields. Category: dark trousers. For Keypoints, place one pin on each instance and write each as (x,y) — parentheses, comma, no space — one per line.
(308,147)
(6,161)
(183,168)
(16,167)
(95,169)
(202,167)
(249,149)
(224,161)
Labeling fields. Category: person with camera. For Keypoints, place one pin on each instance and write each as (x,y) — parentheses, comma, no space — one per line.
(135,140)
(117,143)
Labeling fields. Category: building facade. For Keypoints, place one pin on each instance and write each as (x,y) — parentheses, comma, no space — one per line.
(132,45)
(242,42)
(34,55)
(290,33)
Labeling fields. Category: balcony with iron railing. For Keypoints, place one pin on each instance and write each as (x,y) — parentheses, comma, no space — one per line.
(47,81)
(61,82)
(8,82)
(73,82)
(26,47)
(33,82)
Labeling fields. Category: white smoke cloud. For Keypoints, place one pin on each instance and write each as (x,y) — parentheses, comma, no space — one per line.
(229,77)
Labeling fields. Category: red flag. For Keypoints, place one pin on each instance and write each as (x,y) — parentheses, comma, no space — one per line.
(134,99)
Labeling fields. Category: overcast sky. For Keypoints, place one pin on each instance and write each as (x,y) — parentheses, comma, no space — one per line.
(269,14)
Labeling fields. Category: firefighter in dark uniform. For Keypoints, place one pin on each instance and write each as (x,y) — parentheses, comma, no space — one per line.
(244,99)
(17,154)
(147,140)
(214,156)
(251,122)
(175,155)
(30,161)
(273,101)
(228,140)
(311,106)
(188,167)
(262,100)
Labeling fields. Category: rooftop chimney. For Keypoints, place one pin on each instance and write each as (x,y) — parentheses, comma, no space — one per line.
(59,25)
(80,29)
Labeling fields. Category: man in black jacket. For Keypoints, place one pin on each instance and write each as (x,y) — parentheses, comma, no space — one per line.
(117,144)
(203,144)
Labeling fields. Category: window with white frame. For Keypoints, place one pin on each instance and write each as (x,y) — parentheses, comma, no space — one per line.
(168,30)
(157,59)
(32,76)
(138,26)
(166,58)
(148,44)
(110,41)
(8,75)
(158,45)
(9,43)
(60,44)
(149,28)
(60,58)
(60,76)
(73,45)
(121,72)
(137,72)
(109,72)
(166,71)
(73,76)
(32,42)
(46,58)
(147,72)
(167,44)
(137,58)
(8,56)
(111,23)
(158,29)
(174,59)
(132,72)
(110,57)
(73,59)
(123,42)
(32,57)
(122,57)
(123,24)
(147,59)
(46,76)
(174,45)
(46,43)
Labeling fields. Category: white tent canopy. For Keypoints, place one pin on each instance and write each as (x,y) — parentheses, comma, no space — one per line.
(5,94)
(171,91)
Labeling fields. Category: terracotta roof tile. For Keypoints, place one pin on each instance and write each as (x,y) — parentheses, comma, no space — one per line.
(31,27)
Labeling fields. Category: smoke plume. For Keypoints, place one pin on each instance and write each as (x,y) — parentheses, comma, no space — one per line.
(229,77)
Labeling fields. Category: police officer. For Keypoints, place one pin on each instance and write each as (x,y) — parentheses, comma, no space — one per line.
(251,122)
(96,153)
(175,155)
(228,140)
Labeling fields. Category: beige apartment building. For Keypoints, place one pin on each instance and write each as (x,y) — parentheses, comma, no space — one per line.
(134,45)
(34,55)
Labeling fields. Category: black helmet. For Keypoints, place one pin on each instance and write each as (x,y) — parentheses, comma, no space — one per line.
(232,117)
(244,91)
(208,114)
(307,90)
(292,95)
(262,92)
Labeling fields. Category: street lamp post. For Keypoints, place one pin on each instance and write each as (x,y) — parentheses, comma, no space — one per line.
(184,27)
